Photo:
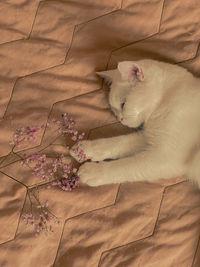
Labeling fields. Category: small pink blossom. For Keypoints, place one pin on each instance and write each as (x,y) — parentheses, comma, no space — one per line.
(80,153)
(25,134)
(81,136)
(74,138)
(40,218)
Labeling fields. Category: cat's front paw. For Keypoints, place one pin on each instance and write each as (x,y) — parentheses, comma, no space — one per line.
(81,151)
(91,173)
(95,150)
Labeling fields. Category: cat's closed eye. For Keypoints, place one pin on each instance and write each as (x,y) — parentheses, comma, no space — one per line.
(122,105)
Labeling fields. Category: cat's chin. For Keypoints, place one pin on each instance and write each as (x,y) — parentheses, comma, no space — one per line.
(138,128)
(141,127)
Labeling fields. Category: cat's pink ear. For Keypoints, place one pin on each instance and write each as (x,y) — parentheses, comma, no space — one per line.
(130,71)
(107,75)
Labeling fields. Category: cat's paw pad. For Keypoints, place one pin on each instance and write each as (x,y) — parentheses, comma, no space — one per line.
(80,151)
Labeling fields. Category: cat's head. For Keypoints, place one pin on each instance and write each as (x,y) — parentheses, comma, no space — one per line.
(133,95)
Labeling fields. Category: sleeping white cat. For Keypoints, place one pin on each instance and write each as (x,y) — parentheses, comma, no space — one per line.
(166,99)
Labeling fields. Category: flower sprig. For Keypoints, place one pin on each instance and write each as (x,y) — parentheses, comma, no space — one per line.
(54,171)
(80,153)
(68,126)
(39,216)
(24,135)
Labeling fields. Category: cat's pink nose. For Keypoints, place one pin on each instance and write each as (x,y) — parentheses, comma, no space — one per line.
(120,119)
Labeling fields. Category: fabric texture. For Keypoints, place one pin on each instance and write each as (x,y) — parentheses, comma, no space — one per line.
(49,52)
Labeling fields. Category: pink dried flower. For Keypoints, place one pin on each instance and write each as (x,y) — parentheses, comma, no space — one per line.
(25,134)
(80,153)
(55,171)
(81,136)
(54,120)
(67,184)
(67,125)
(40,218)
(74,138)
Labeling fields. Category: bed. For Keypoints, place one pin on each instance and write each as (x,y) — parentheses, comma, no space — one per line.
(49,52)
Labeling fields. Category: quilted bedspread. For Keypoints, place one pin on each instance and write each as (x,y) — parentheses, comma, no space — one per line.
(49,52)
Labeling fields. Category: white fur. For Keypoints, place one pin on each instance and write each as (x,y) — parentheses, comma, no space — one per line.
(167,101)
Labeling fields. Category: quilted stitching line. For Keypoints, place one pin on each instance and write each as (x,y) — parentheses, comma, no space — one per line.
(89,92)
(4,115)
(23,150)
(64,59)
(81,215)
(90,211)
(71,46)
(132,43)
(28,37)
(143,39)
(84,23)
(18,78)
(196,250)
(17,40)
(163,6)
(13,179)
(111,53)
(36,12)
(8,164)
(122,2)
(101,16)
(28,148)
(47,121)
(140,239)
(149,37)
(190,59)
(155,225)
(19,214)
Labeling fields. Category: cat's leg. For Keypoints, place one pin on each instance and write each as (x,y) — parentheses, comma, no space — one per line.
(146,165)
(109,148)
